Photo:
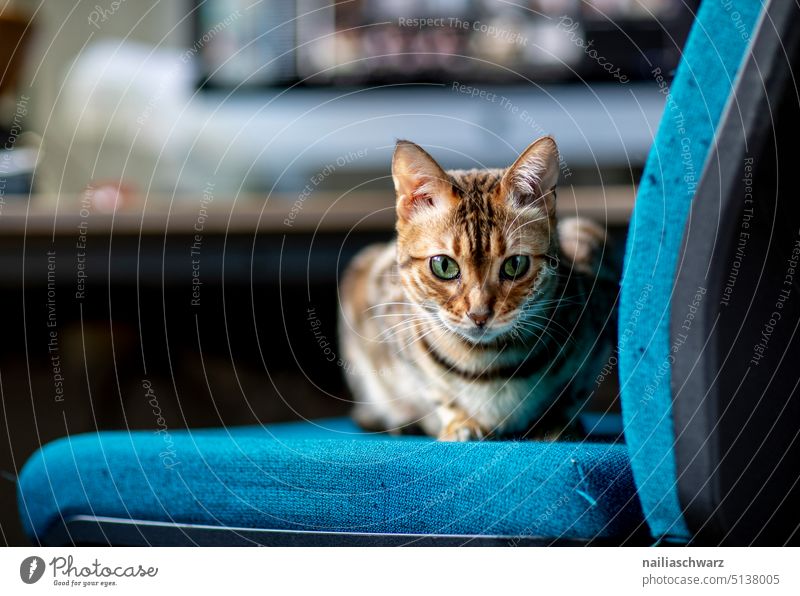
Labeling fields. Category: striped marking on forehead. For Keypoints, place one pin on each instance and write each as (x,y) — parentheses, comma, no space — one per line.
(475,213)
(472,182)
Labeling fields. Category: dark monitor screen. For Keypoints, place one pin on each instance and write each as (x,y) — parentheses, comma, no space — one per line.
(240,43)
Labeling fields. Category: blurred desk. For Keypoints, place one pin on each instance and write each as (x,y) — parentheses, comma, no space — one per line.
(162,240)
(248,214)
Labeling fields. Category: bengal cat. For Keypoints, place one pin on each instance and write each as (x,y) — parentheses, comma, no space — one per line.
(484,318)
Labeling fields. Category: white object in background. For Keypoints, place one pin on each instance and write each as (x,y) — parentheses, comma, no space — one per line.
(134,110)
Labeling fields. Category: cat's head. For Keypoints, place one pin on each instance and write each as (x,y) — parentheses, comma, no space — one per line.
(477,248)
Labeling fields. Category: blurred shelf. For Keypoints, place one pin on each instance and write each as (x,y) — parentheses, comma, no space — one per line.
(250,214)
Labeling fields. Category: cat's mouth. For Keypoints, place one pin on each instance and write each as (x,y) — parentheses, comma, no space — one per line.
(479,335)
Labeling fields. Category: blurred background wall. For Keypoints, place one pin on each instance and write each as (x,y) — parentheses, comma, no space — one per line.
(263,95)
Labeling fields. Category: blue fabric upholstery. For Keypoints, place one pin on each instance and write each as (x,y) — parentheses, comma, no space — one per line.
(698,94)
(328,476)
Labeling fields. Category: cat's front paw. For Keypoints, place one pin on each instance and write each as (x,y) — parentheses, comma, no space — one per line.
(462,429)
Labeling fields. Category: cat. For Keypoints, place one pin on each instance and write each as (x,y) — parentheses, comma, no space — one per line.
(485,317)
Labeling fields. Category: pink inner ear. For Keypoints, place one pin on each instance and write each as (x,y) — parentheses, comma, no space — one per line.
(546,201)
(423,198)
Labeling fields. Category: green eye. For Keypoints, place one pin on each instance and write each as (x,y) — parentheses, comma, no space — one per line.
(444,267)
(515,266)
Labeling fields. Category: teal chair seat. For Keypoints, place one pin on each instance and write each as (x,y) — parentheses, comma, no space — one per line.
(328,476)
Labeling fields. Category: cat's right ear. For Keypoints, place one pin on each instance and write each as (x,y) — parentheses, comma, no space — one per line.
(420,183)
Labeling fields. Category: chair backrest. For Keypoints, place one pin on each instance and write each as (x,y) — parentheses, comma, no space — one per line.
(736,310)
(696,98)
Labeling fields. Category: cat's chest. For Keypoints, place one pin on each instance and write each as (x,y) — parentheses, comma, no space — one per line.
(506,404)
(507,371)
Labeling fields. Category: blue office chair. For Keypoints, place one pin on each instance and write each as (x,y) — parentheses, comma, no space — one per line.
(681,473)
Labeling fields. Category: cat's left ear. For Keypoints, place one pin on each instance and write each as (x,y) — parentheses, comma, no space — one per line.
(533,177)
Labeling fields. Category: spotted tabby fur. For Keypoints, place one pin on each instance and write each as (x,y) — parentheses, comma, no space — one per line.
(478,355)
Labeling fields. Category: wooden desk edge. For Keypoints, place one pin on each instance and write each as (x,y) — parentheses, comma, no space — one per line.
(250,214)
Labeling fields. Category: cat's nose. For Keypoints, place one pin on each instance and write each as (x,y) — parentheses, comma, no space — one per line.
(479,317)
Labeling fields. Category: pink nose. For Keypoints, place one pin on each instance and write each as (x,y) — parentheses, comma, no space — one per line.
(480,317)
